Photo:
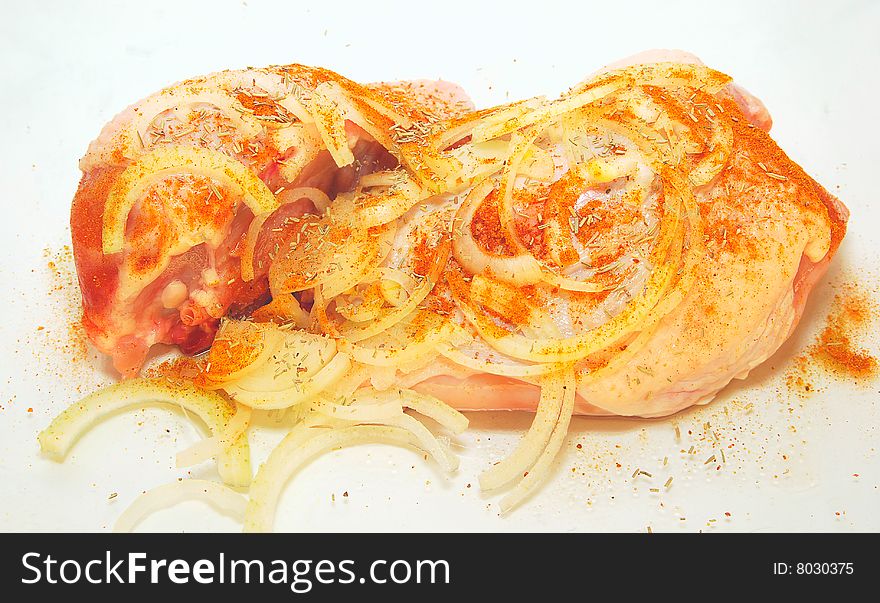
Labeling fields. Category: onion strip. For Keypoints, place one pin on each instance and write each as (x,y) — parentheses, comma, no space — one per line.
(385,350)
(426,441)
(554,391)
(233,462)
(132,183)
(540,470)
(297,394)
(435,409)
(511,368)
(210,447)
(299,447)
(380,412)
(544,113)
(250,246)
(221,498)
(518,270)
(354,334)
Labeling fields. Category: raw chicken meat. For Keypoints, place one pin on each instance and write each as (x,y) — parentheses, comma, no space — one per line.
(643,231)
(768,234)
(172,184)
(626,249)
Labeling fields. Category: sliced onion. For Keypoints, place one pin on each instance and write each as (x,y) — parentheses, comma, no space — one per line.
(537,164)
(383,178)
(250,245)
(216,444)
(362,304)
(283,310)
(383,377)
(405,284)
(383,107)
(456,170)
(357,412)
(463,127)
(240,348)
(294,369)
(342,281)
(299,447)
(479,357)
(574,348)
(335,252)
(223,499)
(426,441)
(570,349)
(299,358)
(353,333)
(165,160)
(299,144)
(233,462)
(545,112)
(318,197)
(298,393)
(345,387)
(570,284)
(541,468)
(520,270)
(409,340)
(330,121)
(383,206)
(435,409)
(332,105)
(554,391)
(665,74)
(132,141)
(520,144)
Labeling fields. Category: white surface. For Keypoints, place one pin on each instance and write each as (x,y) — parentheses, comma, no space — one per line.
(69,67)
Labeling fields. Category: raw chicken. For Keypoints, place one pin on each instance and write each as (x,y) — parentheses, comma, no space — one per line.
(768,232)
(626,249)
(172,184)
(643,231)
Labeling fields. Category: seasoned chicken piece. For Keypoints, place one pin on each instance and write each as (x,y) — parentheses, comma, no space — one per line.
(643,232)
(627,249)
(572,258)
(171,187)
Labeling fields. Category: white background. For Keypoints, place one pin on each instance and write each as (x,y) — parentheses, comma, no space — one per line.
(68,67)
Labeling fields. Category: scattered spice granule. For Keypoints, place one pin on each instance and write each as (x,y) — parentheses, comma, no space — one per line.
(175,369)
(68,341)
(834,349)
(797,378)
